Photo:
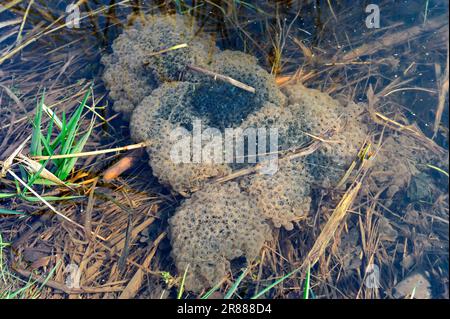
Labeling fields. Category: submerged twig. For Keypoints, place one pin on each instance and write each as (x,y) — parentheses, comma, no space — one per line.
(224,78)
(136,281)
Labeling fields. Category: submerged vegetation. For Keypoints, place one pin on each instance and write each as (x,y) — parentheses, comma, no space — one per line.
(72,203)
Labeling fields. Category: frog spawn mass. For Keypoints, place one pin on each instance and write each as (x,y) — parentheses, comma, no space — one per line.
(161,93)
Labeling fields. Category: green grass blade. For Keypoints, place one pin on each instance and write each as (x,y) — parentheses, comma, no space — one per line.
(49,198)
(4,211)
(14,294)
(67,134)
(23,173)
(69,163)
(61,136)
(236,284)
(43,181)
(211,291)
(6,195)
(307,283)
(180,292)
(47,147)
(50,274)
(18,189)
(36,148)
(276,282)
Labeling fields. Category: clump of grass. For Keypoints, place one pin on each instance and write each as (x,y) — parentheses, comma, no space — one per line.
(63,142)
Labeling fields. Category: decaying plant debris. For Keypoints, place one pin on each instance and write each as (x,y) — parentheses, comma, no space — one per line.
(362,222)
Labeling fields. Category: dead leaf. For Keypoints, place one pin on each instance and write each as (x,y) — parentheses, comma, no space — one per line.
(8,162)
(34,167)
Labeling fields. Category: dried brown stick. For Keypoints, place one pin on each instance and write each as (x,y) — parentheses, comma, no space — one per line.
(224,78)
(89,209)
(90,153)
(119,242)
(331,226)
(443,92)
(29,232)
